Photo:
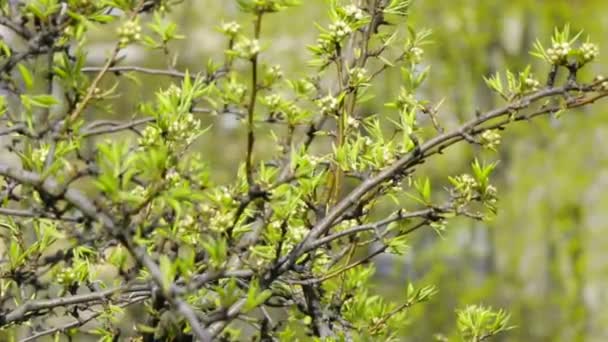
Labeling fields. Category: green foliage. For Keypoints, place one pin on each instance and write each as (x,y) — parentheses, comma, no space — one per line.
(477,323)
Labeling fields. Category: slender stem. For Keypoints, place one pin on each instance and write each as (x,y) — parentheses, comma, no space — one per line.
(252,102)
(115,127)
(348,107)
(134,68)
(24,310)
(389,315)
(91,90)
(46,113)
(34,214)
(336,174)
(344,269)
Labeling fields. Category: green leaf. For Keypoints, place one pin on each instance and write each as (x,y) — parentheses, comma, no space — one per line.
(255,296)
(168,271)
(398,245)
(27,77)
(44,101)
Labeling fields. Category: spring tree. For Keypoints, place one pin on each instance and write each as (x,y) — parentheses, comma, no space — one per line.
(105,219)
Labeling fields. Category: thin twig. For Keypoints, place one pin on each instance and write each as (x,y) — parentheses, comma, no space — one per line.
(79,322)
(251,107)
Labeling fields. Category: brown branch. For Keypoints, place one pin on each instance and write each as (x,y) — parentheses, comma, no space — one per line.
(22,312)
(79,322)
(371,226)
(18,128)
(20,30)
(135,68)
(114,127)
(319,321)
(82,104)
(35,214)
(412,159)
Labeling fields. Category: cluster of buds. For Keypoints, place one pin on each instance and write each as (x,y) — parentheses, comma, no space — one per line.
(352,122)
(603,83)
(173,91)
(129,32)
(531,83)
(465,188)
(220,221)
(173,178)
(247,48)
(235,91)
(82,6)
(150,136)
(314,160)
(225,197)
(357,77)
(388,155)
(328,41)
(321,260)
(416,54)
(139,192)
(207,210)
(367,141)
(272,74)
(354,13)
(292,111)
(273,101)
(489,195)
(67,276)
(275,71)
(345,225)
(490,139)
(339,30)
(39,154)
(231,29)
(190,236)
(329,105)
(325,45)
(406,101)
(589,51)
(184,128)
(559,53)
(297,233)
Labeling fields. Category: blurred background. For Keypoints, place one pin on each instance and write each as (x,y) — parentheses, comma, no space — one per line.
(544,257)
